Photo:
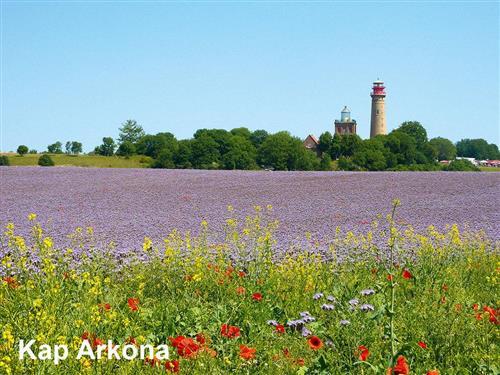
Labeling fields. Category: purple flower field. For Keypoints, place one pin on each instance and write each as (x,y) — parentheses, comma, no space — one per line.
(124,205)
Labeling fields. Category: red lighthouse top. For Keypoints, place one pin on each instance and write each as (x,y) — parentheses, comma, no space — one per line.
(378,88)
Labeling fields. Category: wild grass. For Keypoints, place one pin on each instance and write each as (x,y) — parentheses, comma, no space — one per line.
(95,161)
(417,302)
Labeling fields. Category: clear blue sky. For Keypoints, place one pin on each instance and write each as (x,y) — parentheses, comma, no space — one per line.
(76,71)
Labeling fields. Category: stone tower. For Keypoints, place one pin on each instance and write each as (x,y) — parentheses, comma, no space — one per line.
(346,125)
(377,125)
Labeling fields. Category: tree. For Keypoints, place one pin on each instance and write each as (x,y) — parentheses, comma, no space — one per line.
(45,161)
(415,130)
(325,163)
(205,152)
(76,147)
(164,159)
(126,149)
(402,146)
(349,144)
(275,151)
(258,137)
(32,151)
(22,150)
(370,156)
(182,158)
(130,131)
(325,142)
(444,148)
(55,148)
(68,147)
(242,132)
(221,136)
(152,145)
(477,148)
(107,148)
(241,154)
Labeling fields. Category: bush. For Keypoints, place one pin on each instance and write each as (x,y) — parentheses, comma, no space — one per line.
(461,165)
(45,161)
(4,160)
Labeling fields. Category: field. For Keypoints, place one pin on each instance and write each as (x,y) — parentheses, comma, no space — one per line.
(250,272)
(95,161)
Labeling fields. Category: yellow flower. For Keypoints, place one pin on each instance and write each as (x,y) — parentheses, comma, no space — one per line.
(147,244)
(37,302)
(31,217)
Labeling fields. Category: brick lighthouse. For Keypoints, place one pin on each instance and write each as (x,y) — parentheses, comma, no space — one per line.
(377,125)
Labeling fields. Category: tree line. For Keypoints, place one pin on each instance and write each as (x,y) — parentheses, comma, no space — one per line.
(405,148)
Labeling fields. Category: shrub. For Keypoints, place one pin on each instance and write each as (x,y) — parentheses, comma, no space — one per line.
(461,165)
(4,160)
(45,161)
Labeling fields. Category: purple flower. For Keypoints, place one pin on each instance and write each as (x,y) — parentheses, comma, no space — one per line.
(272,322)
(327,307)
(367,292)
(317,296)
(366,307)
(331,298)
(344,322)
(305,332)
(354,302)
(308,319)
(304,314)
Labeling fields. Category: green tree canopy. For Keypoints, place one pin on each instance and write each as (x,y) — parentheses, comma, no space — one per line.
(107,148)
(325,142)
(477,148)
(55,148)
(241,154)
(22,150)
(130,131)
(445,149)
(258,137)
(126,148)
(152,145)
(415,130)
(205,152)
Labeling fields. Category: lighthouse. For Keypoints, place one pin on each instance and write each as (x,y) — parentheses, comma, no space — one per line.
(377,125)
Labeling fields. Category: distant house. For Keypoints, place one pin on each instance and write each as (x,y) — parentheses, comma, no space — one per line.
(490,163)
(312,143)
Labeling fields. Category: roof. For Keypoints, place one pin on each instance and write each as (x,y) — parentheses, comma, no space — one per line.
(313,138)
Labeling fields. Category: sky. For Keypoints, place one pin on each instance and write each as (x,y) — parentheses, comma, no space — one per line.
(78,70)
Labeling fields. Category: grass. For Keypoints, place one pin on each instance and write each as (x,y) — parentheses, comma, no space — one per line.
(430,308)
(95,161)
(489,169)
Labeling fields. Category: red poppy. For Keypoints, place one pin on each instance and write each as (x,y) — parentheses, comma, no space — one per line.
(257,297)
(364,353)
(286,352)
(104,306)
(315,343)
(240,290)
(153,362)
(389,277)
(407,274)
(479,316)
(422,344)
(229,331)
(443,300)
(200,338)
(96,342)
(475,307)
(246,352)
(300,361)
(432,372)
(131,340)
(280,328)
(133,304)
(186,347)
(86,335)
(172,366)
(241,274)
(401,367)
(11,282)
(229,272)
(445,287)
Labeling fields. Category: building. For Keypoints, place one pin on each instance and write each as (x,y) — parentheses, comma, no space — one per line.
(346,125)
(378,125)
(312,143)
